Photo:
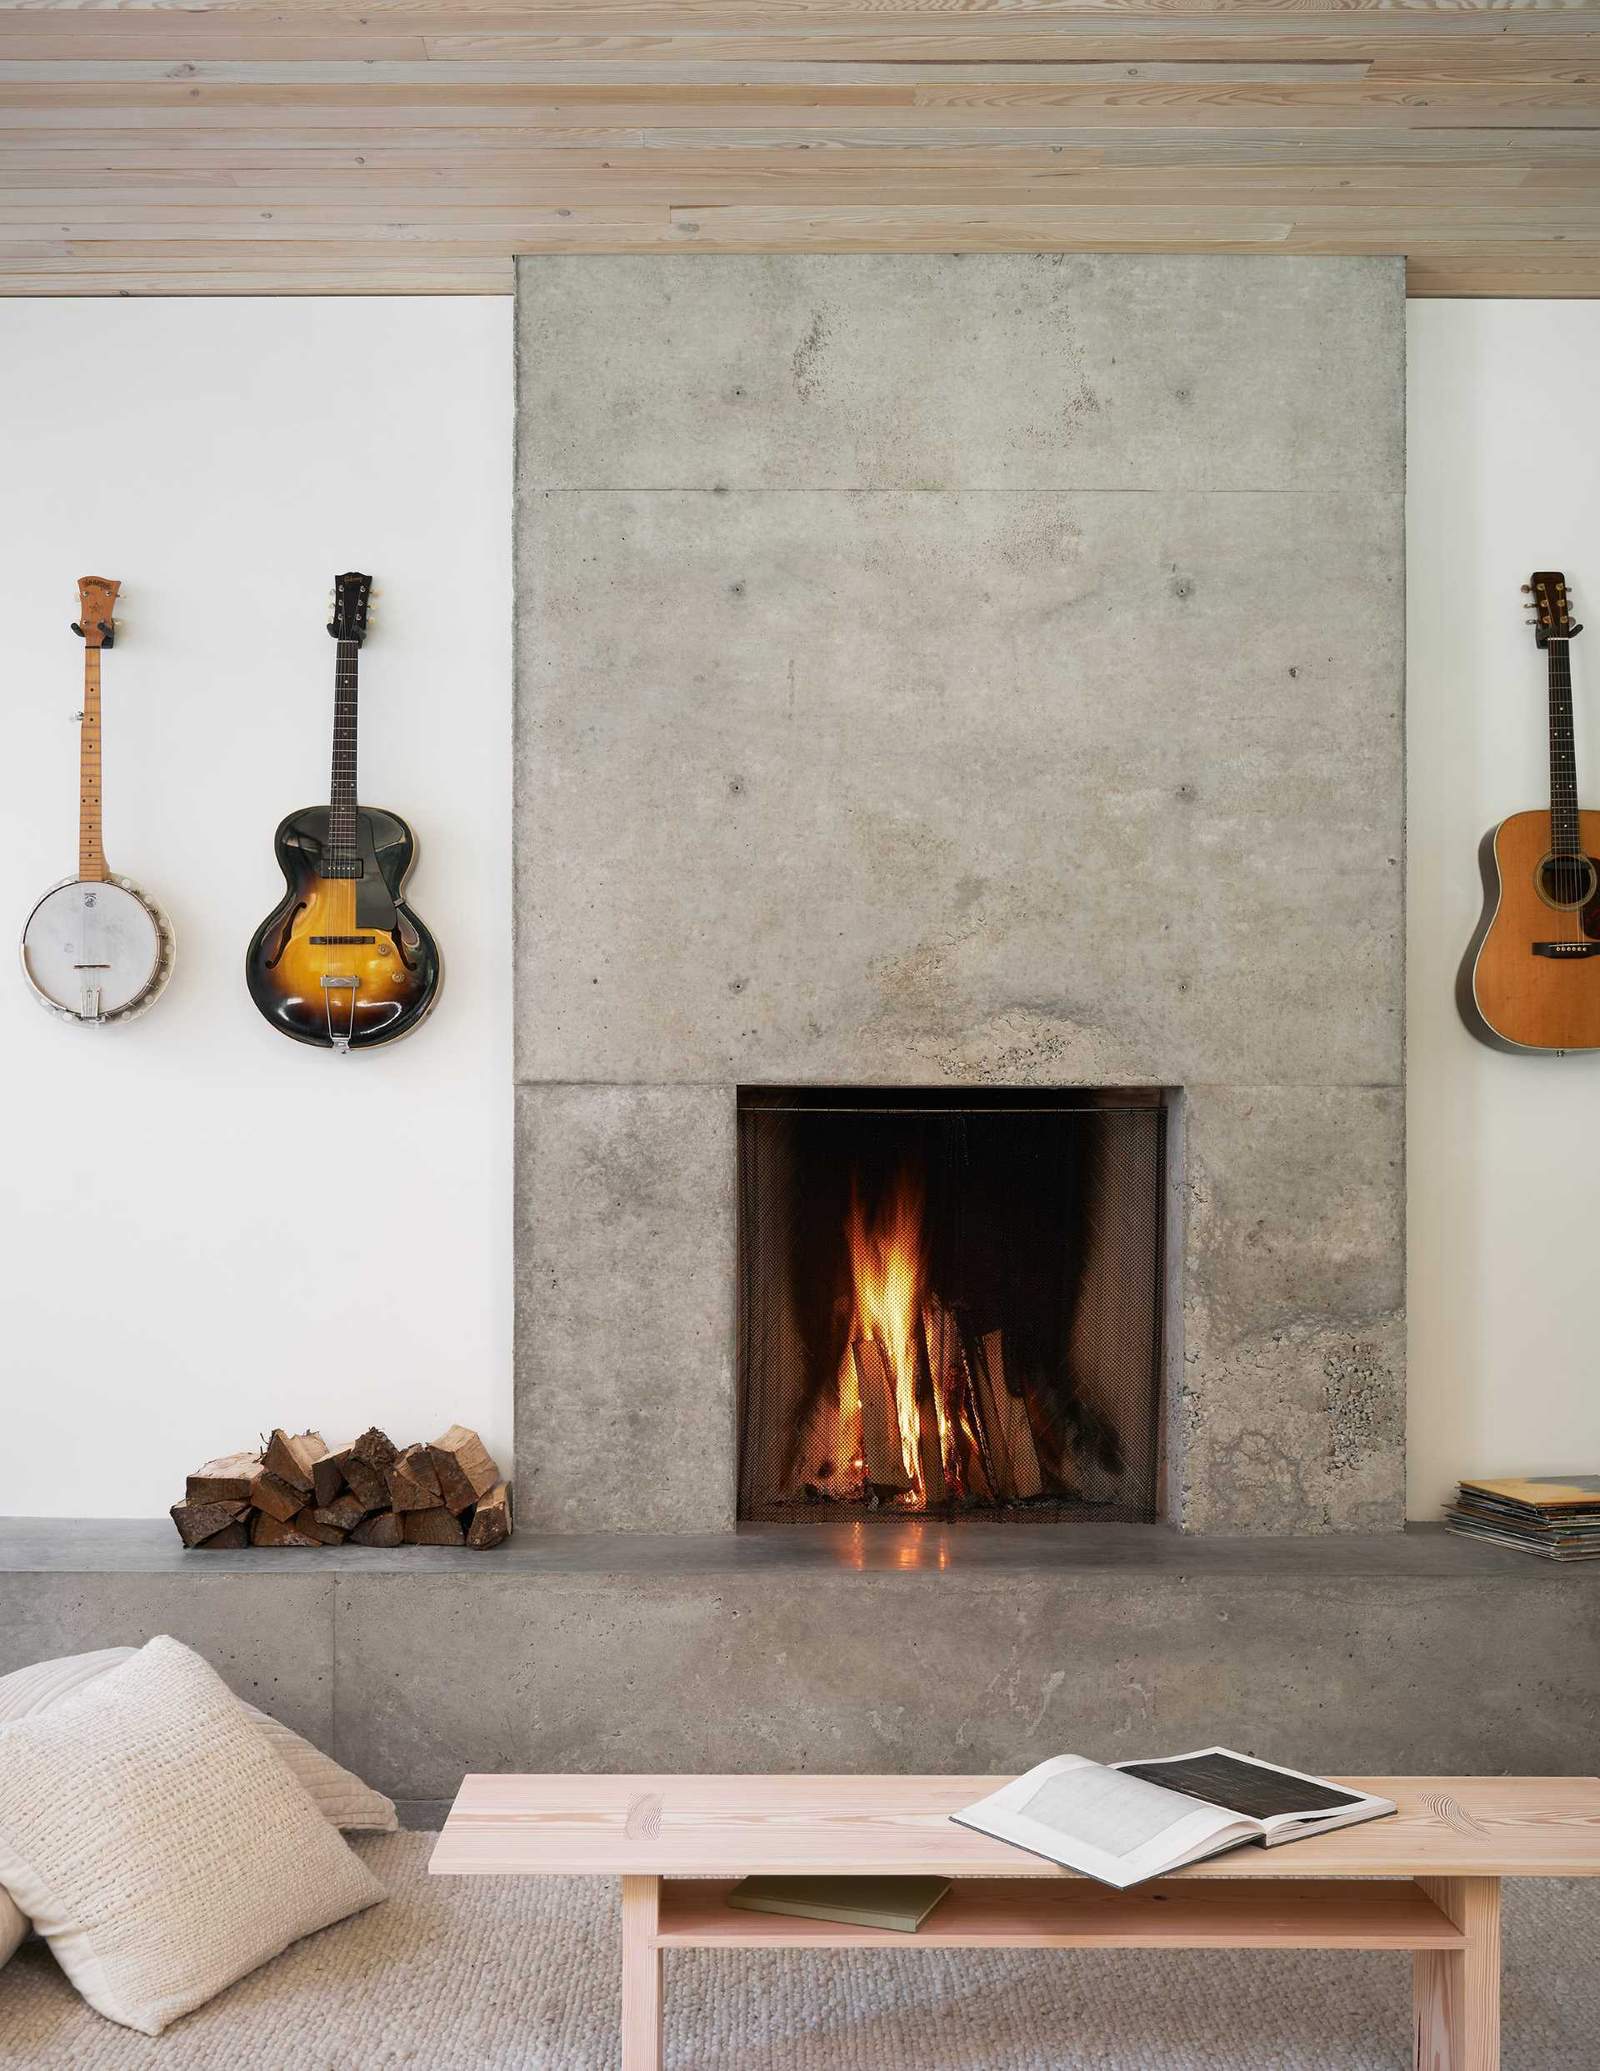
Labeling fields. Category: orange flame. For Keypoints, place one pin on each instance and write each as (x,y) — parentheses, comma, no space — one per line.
(910,1373)
(888,1269)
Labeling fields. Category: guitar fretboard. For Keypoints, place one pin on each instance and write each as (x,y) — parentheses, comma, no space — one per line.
(342,857)
(1564,837)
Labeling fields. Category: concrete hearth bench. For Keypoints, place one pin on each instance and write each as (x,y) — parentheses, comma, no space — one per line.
(902,1646)
(1425,1881)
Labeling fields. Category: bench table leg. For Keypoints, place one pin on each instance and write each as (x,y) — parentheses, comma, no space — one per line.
(1456,1992)
(641,1974)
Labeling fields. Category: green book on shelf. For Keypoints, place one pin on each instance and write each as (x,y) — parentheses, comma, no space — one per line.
(901,1903)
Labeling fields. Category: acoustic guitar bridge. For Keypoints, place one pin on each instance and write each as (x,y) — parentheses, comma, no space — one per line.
(1566,949)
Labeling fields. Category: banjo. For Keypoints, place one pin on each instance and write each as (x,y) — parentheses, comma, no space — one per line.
(95,949)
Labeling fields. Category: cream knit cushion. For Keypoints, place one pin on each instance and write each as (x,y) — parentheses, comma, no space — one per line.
(157,1842)
(342,1799)
(13,1926)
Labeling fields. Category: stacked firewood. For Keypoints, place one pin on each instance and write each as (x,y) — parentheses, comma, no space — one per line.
(296,1492)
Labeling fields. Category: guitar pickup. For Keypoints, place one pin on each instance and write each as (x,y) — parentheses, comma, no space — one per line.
(333,941)
(1564,950)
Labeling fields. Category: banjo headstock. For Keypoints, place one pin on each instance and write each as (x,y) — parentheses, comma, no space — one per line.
(95,624)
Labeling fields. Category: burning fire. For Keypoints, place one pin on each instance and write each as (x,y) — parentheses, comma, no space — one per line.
(901,1374)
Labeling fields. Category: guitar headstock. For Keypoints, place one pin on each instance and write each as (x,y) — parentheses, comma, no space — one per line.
(96,623)
(1551,606)
(351,606)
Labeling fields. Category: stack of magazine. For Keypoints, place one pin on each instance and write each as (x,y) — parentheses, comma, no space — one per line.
(1555,1515)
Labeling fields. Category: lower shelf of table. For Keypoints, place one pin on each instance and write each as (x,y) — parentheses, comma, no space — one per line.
(1071,1913)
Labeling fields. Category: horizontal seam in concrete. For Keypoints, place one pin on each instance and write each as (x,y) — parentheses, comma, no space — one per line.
(956,1086)
(951,489)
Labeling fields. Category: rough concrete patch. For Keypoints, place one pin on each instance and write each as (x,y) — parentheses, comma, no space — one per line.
(806,354)
(1363,1404)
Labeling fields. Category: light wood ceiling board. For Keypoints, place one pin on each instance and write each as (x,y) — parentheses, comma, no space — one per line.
(1510,271)
(186,35)
(577,181)
(145,146)
(465,154)
(1520,103)
(797,16)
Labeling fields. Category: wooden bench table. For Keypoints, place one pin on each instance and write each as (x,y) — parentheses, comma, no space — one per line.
(1426,1881)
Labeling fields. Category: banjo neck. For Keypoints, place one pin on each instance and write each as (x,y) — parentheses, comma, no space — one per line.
(97,597)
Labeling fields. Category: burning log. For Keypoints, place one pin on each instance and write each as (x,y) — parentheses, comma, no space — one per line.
(1005,1416)
(880,1421)
(930,1452)
(973,1475)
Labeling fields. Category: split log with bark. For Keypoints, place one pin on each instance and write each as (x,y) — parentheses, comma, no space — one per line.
(295,1491)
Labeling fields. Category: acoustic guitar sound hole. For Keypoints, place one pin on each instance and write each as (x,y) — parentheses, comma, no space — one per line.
(1567,880)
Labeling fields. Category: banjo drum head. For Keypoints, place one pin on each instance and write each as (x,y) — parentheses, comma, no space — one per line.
(92,949)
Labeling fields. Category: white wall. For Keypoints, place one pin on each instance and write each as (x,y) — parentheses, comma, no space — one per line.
(204,1228)
(1504,472)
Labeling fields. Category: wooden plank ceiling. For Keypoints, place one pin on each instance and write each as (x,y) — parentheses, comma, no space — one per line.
(212,148)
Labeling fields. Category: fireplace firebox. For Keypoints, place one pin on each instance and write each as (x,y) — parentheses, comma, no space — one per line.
(951,1303)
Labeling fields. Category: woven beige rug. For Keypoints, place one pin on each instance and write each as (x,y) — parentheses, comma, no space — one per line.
(468,1974)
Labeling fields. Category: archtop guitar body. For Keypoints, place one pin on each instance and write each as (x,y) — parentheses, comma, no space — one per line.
(343,960)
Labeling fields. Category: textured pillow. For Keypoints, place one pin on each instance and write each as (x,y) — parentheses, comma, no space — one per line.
(342,1799)
(13,1926)
(157,1842)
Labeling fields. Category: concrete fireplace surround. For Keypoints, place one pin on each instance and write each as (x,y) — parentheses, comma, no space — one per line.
(940,670)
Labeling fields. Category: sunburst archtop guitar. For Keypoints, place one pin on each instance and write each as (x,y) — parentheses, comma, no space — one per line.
(1531,976)
(96,950)
(342,962)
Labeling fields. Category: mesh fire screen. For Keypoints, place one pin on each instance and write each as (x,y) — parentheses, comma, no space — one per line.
(950,1304)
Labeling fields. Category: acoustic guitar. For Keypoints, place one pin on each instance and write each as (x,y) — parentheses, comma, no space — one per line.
(95,950)
(1531,976)
(342,962)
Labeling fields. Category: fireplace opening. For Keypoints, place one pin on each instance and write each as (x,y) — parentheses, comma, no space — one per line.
(951,1303)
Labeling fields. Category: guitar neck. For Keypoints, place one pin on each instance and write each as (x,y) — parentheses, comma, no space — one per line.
(340,858)
(1564,837)
(91,848)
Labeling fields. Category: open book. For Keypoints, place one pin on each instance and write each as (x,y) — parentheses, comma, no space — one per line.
(1131,1820)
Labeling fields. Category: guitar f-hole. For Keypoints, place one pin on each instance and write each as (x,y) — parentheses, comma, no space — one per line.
(283,940)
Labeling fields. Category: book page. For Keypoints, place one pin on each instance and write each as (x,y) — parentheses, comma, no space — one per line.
(1254,1790)
(1099,1821)
(1106,1808)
